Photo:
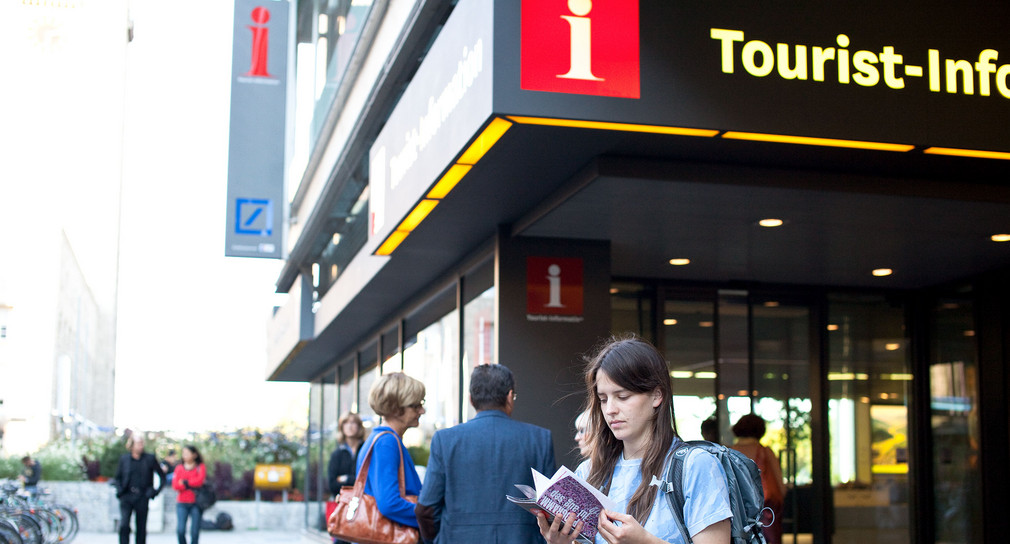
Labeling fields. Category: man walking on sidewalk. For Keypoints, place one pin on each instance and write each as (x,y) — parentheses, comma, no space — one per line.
(473,465)
(135,488)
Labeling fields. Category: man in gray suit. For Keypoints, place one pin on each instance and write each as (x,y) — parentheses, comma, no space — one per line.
(472,466)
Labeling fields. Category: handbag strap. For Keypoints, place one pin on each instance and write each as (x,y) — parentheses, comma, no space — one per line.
(359,481)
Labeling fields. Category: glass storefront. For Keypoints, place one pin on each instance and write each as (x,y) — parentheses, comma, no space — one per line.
(733,352)
(954,408)
(869,380)
(478,339)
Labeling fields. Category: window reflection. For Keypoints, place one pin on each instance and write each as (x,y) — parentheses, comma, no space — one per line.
(478,339)
(954,417)
(869,387)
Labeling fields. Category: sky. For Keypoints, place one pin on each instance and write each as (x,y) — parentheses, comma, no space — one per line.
(191,345)
(192,323)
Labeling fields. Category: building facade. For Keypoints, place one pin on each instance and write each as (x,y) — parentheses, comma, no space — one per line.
(803,207)
(59,217)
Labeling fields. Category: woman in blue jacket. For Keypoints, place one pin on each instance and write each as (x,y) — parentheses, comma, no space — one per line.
(399,399)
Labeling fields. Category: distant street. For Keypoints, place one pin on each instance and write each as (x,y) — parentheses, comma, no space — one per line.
(206,537)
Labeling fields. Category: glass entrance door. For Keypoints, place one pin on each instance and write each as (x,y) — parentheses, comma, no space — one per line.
(733,353)
(829,374)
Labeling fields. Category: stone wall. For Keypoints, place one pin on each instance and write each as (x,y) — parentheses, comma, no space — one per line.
(98,509)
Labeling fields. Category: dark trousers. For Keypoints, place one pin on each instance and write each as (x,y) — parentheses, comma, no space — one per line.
(128,505)
(184,511)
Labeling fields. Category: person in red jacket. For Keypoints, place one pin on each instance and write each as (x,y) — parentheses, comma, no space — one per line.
(188,476)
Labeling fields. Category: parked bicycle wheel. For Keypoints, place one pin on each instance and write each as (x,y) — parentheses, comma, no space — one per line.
(28,528)
(9,533)
(68,521)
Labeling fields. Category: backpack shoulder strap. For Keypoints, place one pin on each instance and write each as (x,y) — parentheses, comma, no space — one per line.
(674,487)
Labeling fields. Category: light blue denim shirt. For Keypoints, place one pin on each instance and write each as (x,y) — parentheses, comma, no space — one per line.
(706,499)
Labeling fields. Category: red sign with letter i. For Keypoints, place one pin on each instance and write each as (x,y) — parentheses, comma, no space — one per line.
(553,286)
(580,47)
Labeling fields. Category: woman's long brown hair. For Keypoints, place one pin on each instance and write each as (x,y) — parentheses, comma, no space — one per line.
(638,367)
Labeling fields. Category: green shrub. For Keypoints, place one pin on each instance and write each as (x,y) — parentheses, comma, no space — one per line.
(10,467)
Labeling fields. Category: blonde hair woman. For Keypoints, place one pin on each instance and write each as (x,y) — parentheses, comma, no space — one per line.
(399,399)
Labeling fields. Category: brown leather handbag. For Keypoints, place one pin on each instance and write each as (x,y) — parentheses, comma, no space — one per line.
(356,517)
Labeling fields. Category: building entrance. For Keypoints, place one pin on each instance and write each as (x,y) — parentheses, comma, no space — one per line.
(830,376)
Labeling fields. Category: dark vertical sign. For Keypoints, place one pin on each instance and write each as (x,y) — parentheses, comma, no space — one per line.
(257,146)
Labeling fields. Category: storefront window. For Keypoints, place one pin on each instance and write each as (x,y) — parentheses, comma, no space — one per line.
(478,338)
(368,375)
(432,358)
(689,347)
(315,465)
(954,416)
(631,310)
(325,47)
(869,387)
(345,398)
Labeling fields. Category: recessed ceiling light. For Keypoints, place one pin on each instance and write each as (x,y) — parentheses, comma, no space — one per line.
(771,304)
(680,262)
(832,327)
(969,332)
(1000,237)
(669,321)
(770,222)
(892,346)
(614,290)
(705,324)
(881,272)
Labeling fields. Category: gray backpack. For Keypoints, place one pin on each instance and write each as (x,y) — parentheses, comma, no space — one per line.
(743,480)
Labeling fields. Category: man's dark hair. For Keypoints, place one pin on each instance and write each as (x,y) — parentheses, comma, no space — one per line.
(490,386)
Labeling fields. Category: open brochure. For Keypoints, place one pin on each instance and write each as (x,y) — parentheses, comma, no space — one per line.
(562,494)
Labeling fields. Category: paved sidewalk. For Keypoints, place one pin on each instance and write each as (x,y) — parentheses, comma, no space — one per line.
(206,537)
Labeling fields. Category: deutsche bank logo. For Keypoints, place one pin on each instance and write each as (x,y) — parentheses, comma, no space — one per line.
(580,47)
(254,216)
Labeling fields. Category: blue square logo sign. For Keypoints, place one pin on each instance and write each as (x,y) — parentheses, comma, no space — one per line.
(254,216)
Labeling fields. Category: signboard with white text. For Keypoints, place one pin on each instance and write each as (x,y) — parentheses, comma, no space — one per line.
(258,134)
(878,71)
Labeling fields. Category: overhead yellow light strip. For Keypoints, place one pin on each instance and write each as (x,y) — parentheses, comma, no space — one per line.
(625,127)
(449,180)
(453,175)
(827,142)
(495,130)
(974,153)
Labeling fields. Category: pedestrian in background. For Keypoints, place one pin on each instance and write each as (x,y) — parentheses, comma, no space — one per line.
(31,474)
(344,459)
(472,465)
(189,476)
(710,430)
(341,469)
(168,464)
(399,399)
(582,434)
(134,484)
(630,404)
(748,430)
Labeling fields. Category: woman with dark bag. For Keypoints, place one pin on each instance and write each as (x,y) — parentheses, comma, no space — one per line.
(189,476)
(631,440)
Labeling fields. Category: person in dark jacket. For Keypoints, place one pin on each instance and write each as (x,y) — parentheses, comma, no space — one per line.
(340,471)
(472,466)
(31,474)
(135,488)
